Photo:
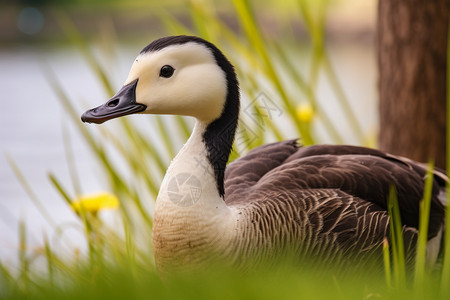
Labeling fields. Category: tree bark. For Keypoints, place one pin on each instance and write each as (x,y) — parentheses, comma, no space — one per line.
(412,47)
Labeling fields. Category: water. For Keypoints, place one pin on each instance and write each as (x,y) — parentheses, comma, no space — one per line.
(31,134)
(32,124)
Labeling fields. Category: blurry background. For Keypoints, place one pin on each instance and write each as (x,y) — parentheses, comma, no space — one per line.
(35,129)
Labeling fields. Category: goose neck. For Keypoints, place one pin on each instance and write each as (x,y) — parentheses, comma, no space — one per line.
(190,177)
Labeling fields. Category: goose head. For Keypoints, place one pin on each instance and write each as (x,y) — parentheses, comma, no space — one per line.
(179,75)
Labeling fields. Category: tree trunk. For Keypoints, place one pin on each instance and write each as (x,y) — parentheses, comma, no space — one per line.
(412,47)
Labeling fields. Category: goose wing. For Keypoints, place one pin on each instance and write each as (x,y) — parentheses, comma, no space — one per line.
(363,173)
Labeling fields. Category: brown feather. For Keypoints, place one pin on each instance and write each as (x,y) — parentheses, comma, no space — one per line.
(332,197)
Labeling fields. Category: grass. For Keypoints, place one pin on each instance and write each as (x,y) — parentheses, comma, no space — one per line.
(118,262)
(225,284)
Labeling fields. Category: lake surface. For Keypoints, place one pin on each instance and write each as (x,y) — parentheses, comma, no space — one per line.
(33,123)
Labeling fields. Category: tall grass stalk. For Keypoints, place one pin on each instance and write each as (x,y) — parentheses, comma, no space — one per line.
(72,32)
(60,188)
(24,263)
(50,261)
(445,280)
(248,22)
(70,158)
(387,263)
(397,243)
(316,29)
(425,204)
(308,90)
(36,201)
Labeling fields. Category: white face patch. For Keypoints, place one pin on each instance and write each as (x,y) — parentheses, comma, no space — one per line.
(197,87)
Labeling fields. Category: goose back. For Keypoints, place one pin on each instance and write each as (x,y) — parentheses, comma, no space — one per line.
(338,192)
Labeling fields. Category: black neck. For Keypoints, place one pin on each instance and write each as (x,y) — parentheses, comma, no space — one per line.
(219,135)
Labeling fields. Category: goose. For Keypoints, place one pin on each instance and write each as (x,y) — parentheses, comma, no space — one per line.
(280,196)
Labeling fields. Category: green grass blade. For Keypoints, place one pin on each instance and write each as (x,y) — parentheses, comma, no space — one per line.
(69,271)
(310,96)
(263,121)
(173,25)
(41,208)
(143,212)
(60,188)
(24,277)
(162,128)
(130,245)
(263,124)
(344,103)
(49,258)
(7,281)
(254,35)
(445,273)
(70,158)
(135,159)
(202,28)
(316,31)
(70,109)
(183,127)
(445,279)
(387,263)
(425,203)
(397,243)
(77,39)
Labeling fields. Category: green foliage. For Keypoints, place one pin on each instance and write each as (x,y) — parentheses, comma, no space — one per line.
(398,249)
(119,262)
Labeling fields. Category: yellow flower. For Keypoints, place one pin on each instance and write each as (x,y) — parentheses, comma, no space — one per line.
(93,203)
(305,112)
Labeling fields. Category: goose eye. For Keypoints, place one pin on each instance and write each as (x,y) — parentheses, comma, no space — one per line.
(166,71)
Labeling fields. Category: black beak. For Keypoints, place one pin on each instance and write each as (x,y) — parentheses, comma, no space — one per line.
(123,103)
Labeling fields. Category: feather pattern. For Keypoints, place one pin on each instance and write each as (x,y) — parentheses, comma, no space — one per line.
(326,197)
